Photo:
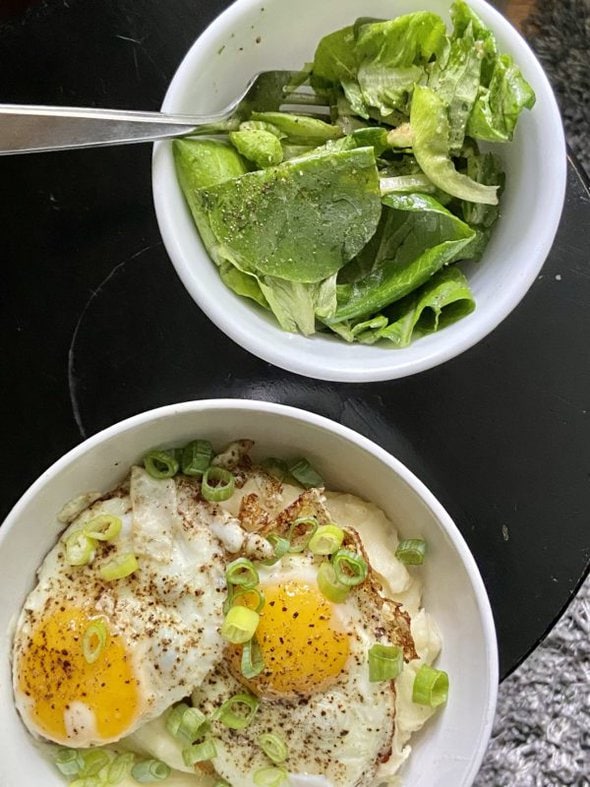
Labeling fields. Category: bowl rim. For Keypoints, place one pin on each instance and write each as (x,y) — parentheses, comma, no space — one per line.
(443,518)
(392,363)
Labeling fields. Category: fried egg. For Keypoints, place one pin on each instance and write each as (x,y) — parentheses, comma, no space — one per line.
(160,624)
(314,690)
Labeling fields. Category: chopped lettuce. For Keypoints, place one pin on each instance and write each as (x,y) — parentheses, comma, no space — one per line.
(356,226)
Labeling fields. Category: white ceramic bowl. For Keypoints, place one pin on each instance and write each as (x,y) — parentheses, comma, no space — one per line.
(449,749)
(251,36)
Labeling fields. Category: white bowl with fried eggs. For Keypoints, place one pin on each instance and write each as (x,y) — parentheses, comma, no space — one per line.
(448,750)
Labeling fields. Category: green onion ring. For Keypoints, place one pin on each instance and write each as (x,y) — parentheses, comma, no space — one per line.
(120,767)
(185,722)
(252,661)
(269,776)
(199,752)
(280,547)
(274,747)
(385,662)
(94,761)
(160,464)
(196,457)
(303,472)
(104,527)
(350,568)
(79,548)
(218,484)
(239,625)
(237,712)
(411,551)
(326,540)
(150,771)
(431,687)
(329,585)
(69,761)
(119,567)
(94,640)
(298,542)
(242,572)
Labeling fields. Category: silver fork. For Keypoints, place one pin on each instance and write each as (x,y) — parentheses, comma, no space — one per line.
(33,129)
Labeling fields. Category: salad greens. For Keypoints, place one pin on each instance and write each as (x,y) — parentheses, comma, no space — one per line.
(353,227)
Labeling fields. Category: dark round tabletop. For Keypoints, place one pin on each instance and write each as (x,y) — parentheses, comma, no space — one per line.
(95,325)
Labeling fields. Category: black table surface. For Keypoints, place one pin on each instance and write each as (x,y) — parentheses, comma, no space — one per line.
(95,326)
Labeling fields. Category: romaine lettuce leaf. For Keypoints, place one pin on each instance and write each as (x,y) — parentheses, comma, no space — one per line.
(296,305)
(498,107)
(431,134)
(200,163)
(444,299)
(259,146)
(417,237)
(301,220)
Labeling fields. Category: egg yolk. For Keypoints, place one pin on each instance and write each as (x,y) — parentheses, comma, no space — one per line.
(54,673)
(302,646)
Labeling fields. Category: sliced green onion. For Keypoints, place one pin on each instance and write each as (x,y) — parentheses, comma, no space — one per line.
(244,593)
(301,532)
(411,551)
(303,472)
(280,547)
(185,722)
(199,752)
(276,467)
(431,687)
(94,761)
(87,781)
(196,457)
(242,572)
(237,712)
(252,660)
(274,747)
(218,484)
(326,540)
(160,464)
(69,761)
(269,777)
(79,548)
(104,527)
(119,567)
(385,662)
(120,767)
(350,568)
(329,585)
(94,640)
(239,625)
(150,771)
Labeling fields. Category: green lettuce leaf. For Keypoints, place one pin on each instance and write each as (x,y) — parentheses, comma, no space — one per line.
(431,133)
(301,220)
(259,146)
(444,299)
(498,107)
(201,163)
(296,305)
(300,129)
(416,237)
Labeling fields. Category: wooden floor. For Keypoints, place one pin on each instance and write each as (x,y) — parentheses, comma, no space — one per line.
(516,10)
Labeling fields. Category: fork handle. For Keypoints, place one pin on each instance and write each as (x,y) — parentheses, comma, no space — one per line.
(31,129)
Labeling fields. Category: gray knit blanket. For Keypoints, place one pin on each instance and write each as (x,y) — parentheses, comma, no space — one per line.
(541,734)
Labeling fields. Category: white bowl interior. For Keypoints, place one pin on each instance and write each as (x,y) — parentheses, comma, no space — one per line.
(254,36)
(449,750)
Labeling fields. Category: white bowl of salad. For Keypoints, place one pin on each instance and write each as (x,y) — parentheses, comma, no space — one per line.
(389,236)
(239,593)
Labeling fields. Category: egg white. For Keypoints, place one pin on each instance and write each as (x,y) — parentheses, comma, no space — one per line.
(167,614)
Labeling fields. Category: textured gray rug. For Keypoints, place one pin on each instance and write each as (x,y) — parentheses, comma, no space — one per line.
(541,734)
